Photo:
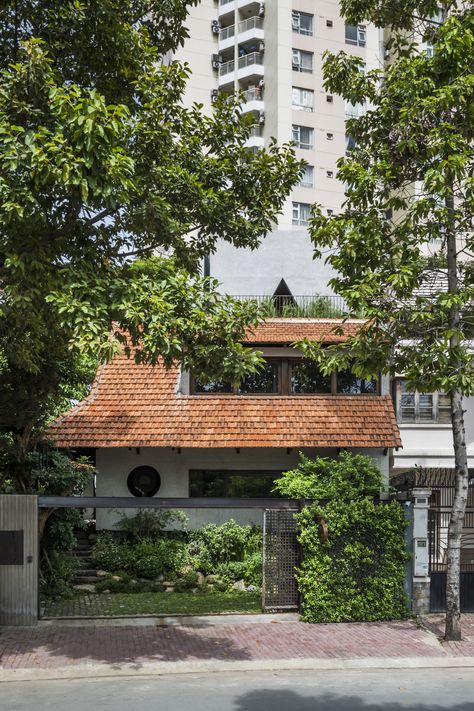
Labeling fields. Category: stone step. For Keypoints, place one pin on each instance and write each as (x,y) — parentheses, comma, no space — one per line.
(86,572)
(85,579)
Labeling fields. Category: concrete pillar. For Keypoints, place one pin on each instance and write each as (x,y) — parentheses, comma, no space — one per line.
(19,560)
(421,578)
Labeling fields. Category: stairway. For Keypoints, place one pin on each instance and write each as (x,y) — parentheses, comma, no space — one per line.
(87,575)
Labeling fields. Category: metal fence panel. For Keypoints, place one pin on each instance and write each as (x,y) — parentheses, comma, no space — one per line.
(281,555)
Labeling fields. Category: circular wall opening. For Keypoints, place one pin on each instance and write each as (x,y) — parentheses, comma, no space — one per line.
(143,481)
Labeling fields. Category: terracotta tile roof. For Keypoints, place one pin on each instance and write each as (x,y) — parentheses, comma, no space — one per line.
(140,406)
(286,331)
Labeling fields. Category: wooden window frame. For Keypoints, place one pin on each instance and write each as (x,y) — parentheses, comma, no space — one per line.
(435,406)
(226,474)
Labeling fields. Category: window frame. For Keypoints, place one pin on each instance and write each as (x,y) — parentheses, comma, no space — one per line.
(301,106)
(296,137)
(361,35)
(307,179)
(297,60)
(226,475)
(296,26)
(235,388)
(299,220)
(436,407)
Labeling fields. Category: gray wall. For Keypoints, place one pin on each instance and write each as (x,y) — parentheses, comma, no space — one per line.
(19,583)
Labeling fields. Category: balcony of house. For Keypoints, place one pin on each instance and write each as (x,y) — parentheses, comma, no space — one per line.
(250,29)
(227,68)
(293,305)
(256,139)
(250,62)
(226,37)
(251,7)
(253,98)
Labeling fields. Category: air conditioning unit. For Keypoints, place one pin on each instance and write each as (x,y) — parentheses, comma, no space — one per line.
(261,46)
(216,61)
(261,118)
(214,95)
(261,10)
(215,27)
(261,84)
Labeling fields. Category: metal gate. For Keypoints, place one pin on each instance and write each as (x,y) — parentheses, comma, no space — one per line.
(438,520)
(281,555)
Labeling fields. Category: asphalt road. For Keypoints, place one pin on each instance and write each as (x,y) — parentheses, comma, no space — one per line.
(382,690)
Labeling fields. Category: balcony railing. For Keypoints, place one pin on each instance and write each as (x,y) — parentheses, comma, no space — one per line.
(225,2)
(256,131)
(253,94)
(248,59)
(251,23)
(312,306)
(227,32)
(226,68)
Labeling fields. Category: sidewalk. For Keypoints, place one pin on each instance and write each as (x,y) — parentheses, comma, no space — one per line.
(93,648)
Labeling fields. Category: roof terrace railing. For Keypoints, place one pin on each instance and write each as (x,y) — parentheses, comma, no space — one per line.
(311,306)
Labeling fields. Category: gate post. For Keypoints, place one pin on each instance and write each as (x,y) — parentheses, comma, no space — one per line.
(19,559)
(421,578)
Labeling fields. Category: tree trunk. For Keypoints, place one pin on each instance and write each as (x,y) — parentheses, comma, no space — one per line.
(453,607)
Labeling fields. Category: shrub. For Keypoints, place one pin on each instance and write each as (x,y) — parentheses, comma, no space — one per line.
(58,574)
(149,524)
(215,544)
(110,554)
(146,559)
(358,573)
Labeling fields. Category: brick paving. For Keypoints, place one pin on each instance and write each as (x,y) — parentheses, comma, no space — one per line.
(49,647)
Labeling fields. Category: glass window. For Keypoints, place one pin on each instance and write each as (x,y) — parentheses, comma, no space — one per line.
(303,136)
(302,23)
(350,143)
(350,384)
(232,484)
(307,179)
(355,34)
(302,61)
(416,407)
(306,377)
(301,213)
(302,99)
(215,386)
(265,381)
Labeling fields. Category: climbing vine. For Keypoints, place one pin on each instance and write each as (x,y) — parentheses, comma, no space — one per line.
(358,572)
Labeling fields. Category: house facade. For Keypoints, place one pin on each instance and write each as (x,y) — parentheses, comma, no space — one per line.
(159,432)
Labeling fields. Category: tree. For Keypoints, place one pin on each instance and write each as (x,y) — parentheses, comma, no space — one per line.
(101,165)
(410,193)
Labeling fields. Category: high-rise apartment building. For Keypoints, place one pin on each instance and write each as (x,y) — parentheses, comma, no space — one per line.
(273,52)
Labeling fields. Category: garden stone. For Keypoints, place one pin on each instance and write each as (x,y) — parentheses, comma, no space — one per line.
(116,578)
(101,573)
(210,586)
(168,584)
(85,587)
(159,578)
(251,588)
(195,590)
(239,585)
(212,579)
(170,589)
(105,592)
(201,579)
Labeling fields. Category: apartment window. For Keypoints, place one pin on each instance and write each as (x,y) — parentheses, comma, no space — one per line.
(306,377)
(302,99)
(355,34)
(302,23)
(302,61)
(301,213)
(354,110)
(307,179)
(232,484)
(350,144)
(303,136)
(416,407)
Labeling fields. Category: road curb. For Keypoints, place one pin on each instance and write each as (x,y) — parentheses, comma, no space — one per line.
(97,671)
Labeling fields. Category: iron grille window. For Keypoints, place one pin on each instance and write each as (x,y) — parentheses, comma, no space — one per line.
(356,35)
(418,408)
(303,136)
(301,213)
(218,483)
(302,61)
(302,99)
(302,23)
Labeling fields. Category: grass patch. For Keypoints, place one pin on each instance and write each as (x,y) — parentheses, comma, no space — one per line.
(179,603)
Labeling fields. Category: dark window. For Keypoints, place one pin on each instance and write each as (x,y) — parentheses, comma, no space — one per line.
(350,384)
(215,386)
(143,481)
(232,484)
(265,381)
(306,377)
(416,407)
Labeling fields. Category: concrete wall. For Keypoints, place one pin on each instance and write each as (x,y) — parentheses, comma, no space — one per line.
(19,583)
(114,465)
(431,445)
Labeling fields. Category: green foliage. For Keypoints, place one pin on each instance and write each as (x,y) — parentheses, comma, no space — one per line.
(145,559)
(216,545)
(102,164)
(57,577)
(149,524)
(358,574)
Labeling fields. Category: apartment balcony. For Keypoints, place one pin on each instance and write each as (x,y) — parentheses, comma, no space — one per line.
(253,100)
(226,7)
(250,66)
(250,29)
(226,73)
(226,37)
(255,140)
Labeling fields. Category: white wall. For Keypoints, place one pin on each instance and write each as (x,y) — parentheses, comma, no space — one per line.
(431,445)
(115,464)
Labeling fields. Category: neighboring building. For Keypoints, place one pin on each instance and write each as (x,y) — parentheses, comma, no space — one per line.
(272,52)
(158,432)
